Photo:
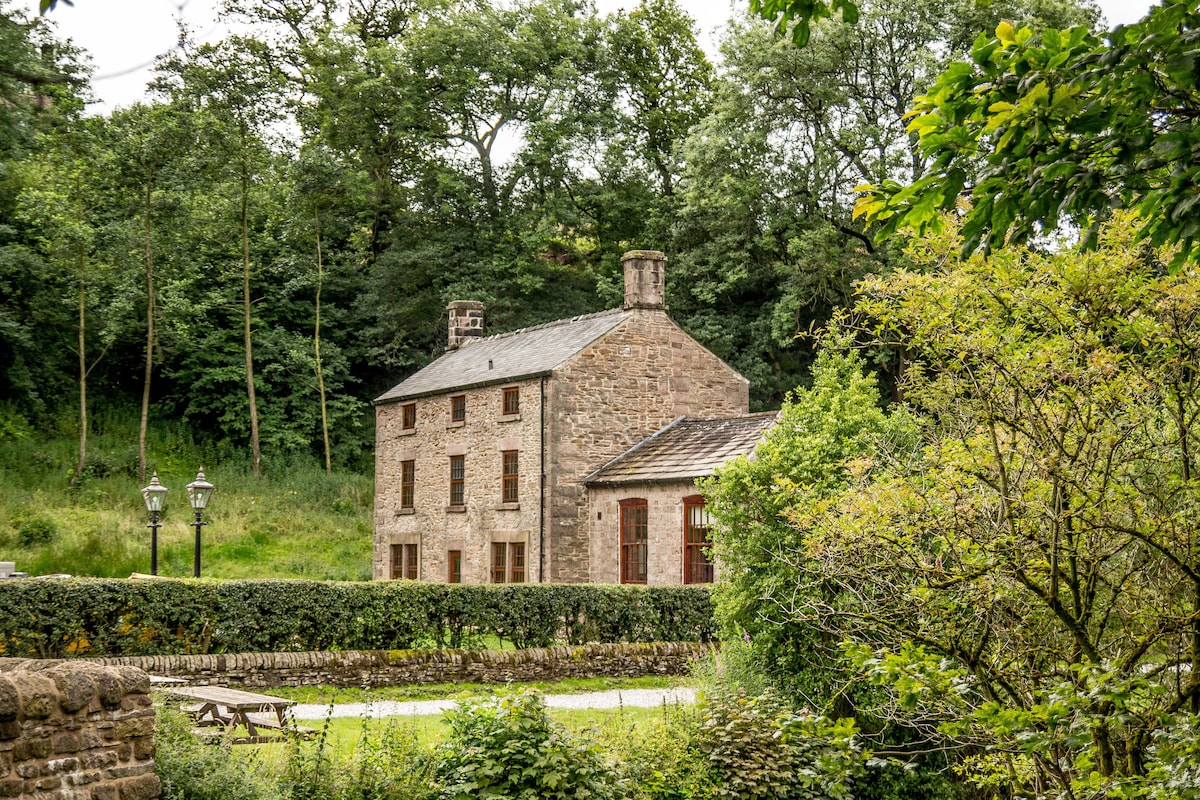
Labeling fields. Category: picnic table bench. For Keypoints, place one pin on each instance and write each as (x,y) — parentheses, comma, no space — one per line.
(245,715)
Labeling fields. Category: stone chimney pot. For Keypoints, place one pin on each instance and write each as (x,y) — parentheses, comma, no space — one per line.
(465,323)
(645,282)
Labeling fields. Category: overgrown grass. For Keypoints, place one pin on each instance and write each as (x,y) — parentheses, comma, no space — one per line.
(294,522)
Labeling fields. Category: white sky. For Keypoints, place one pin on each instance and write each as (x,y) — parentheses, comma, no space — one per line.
(125,36)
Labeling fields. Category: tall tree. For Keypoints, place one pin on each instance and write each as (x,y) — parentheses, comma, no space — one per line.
(235,88)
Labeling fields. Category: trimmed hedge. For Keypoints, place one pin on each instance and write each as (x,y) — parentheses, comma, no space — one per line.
(105,617)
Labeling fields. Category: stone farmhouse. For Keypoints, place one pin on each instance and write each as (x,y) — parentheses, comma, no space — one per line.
(565,452)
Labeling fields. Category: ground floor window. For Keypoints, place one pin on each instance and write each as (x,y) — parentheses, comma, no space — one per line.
(634,540)
(454,566)
(508,562)
(697,547)
(404,561)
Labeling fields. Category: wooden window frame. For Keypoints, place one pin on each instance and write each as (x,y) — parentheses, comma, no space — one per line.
(508,562)
(458,480)
(454,566)
(635,540)
(408,416)
(458,408)
(405,561)
(697,558)
(510,474)
(408,483)
(510,404)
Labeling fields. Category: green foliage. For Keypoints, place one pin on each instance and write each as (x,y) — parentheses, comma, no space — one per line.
(510,750)
(826,434)
(760,748)
(191,769)
(94,617)
(1026,583)
(36,530)
(387,763)
(1069,126)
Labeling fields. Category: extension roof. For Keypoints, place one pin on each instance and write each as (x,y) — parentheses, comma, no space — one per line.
(687,449)
(507,357)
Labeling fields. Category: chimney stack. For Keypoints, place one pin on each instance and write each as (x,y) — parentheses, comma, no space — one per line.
(645,283)
(466,323)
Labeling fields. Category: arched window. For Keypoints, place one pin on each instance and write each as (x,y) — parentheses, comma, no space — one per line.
(697,553)
(634,540)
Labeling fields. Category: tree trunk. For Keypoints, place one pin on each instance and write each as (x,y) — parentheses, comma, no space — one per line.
(83,371)
(317,356)
(256,453)
(143,424)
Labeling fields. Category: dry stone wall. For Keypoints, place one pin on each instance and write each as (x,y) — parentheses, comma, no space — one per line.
(73,730)
(399,667)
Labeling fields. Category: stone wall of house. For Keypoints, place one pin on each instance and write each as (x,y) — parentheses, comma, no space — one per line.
(432,524)
(664,523)
(634,380)
(401,667)
(73,730)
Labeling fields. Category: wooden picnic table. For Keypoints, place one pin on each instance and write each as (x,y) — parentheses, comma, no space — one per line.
(232,709)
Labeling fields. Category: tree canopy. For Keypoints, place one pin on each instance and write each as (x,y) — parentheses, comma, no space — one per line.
(1067,126)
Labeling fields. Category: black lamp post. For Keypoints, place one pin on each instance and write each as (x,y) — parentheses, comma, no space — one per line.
(199,491)
(155,496)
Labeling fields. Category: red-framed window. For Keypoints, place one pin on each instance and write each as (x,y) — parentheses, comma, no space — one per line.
(697,547)
(408,416)
(512,401)
(408,482)
(404,561)
(458,408)
(458,472)
(509,476)
(634,540)
(454,566)
(508,562)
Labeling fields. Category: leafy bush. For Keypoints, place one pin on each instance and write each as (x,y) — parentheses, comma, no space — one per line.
(757,747)
(386,764)
(191,769)
(102,617)
(36,530)
(508,749)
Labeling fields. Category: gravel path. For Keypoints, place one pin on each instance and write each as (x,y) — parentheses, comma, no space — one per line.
(612,698)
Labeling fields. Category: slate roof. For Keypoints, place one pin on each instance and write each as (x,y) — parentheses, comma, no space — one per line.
(506,357)
(687,449)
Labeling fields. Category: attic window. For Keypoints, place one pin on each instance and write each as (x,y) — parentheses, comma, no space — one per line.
(408,416)
(512,401)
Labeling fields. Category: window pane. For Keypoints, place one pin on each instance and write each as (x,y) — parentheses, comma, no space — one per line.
(454,566)
(697,560)
(410,561)
(458,408)
(512,401)
(516,552)
(457,473)
(498,553)
(408,473)
(509,480)
(409,416)
(634,541)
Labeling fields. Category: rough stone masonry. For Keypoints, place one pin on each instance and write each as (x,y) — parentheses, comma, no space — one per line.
(75,731)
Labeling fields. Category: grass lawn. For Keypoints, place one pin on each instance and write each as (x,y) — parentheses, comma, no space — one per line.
(322,695)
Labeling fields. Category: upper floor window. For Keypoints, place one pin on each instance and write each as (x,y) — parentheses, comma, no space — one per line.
(458,408)
(458,471)
(408,474)
(512,401)
(508,476)
(635,544)
(508,562)
(408,416)
(697,546)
